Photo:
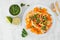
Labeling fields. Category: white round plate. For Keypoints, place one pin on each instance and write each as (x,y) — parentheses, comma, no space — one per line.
(52,16)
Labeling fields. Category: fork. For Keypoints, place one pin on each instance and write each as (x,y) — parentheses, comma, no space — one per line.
(55,9)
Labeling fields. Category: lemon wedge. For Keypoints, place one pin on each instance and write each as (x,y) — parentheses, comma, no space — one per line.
(9,19)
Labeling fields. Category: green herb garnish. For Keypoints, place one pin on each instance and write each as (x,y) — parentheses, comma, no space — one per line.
(28,5)
(43,27)
(24,33)
(22,4)
(45,23)
(38,20)
(34,16)
(44,18)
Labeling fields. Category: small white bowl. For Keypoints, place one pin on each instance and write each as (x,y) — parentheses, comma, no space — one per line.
(19,12)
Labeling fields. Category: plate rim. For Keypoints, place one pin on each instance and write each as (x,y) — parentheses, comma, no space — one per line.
(54,20)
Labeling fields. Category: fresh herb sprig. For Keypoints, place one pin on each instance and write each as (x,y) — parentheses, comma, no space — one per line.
(24,33)
(23,4)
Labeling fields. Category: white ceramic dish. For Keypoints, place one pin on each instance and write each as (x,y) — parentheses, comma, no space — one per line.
(19,12)
(52,16)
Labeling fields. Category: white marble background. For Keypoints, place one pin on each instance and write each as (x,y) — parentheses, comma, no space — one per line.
(8,32)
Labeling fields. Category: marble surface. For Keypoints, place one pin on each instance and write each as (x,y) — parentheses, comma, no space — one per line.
(11,32)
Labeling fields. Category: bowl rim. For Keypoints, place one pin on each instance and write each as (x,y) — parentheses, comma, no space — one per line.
(50,30)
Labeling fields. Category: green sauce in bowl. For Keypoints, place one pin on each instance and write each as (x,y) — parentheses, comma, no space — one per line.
(14,9)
